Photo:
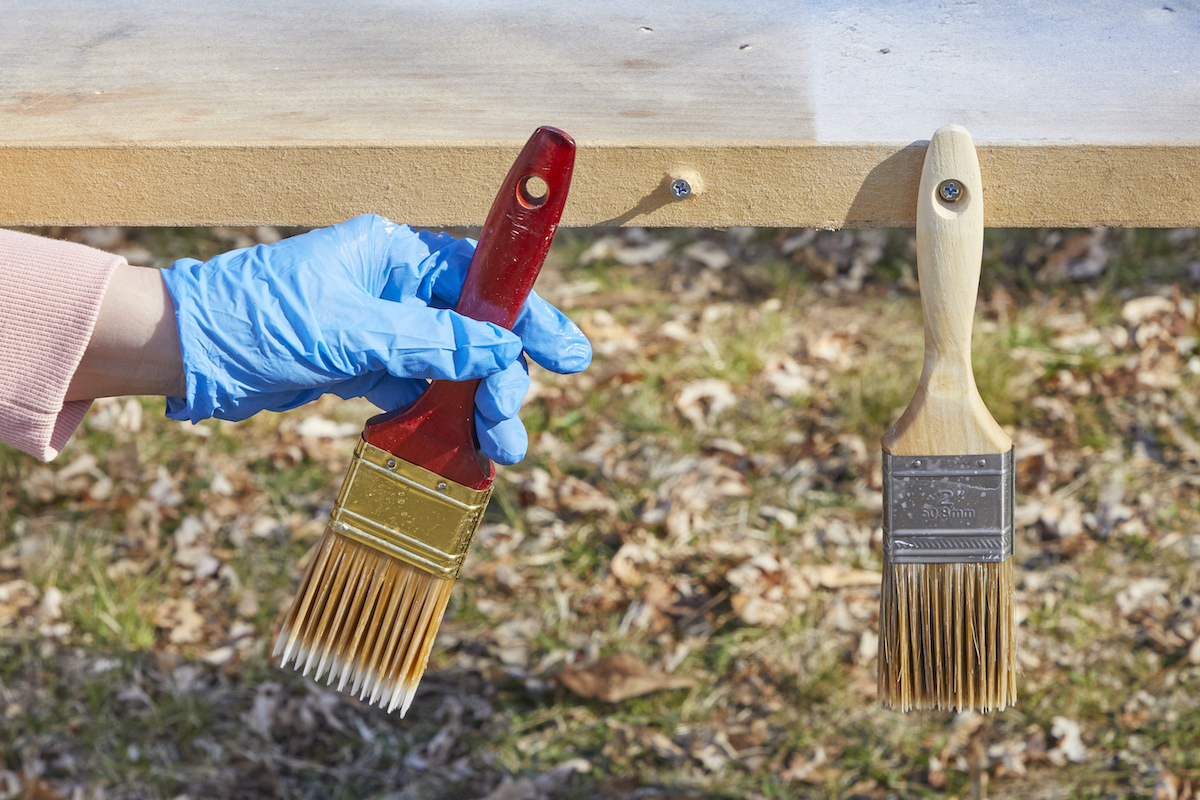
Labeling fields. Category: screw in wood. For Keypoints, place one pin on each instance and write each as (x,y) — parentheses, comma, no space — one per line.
(951,191)
(680,188)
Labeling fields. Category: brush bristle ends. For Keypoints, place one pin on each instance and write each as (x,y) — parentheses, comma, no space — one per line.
(947,637)
(364,619)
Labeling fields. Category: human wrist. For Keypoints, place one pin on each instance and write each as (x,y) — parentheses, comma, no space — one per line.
(134,346)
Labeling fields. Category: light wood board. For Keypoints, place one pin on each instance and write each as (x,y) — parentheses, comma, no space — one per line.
(788,114)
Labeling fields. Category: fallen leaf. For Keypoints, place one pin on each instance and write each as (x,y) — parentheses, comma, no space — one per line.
(219,656)
(619,677)
(1172,787)
(838,576)
(806,770)
(267,698)
(713,751)
(1009,758)
(1141,595)
(1138,310)
(630,563)
(702,401)
(1063,518)
(1070,745)
(663,745)
(50,609)
(788,377)
(759,610)
(710,254)
(319,427)
(180,618)
(36,788)
(16,598)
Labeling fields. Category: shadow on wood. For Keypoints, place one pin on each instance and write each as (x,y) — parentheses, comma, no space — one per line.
(888,195)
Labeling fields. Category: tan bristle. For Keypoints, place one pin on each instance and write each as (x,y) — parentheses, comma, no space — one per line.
(947,637)
(367,619)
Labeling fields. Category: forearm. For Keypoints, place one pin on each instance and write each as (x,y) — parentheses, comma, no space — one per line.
(134,348)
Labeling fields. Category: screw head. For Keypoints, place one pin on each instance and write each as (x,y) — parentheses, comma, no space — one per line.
(680,188)
(951,191)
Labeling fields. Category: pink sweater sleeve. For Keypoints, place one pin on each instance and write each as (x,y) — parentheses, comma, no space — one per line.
(50,293)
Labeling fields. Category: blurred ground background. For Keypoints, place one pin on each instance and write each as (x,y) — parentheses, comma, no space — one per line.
(675,595)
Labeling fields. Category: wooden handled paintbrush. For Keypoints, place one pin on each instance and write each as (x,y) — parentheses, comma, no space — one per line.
(946,624)
(372,599)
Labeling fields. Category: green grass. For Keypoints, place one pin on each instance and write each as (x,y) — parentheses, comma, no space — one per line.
(107,705)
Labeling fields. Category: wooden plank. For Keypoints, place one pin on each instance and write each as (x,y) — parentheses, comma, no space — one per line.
(791,114)
(826,186)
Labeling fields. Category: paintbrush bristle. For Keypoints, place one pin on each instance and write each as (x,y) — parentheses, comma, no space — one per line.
(364,618)
(947,637)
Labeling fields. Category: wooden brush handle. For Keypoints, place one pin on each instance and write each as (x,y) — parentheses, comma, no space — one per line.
(947,415)
(437,432)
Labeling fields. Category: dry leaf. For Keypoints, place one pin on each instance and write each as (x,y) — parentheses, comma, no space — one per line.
(50,609)
(807,770)
(1140,309)
(630,562)
(838,576)
(10,782)
(662,745)
(759,610)
(1070,745)
(583,498)
(36,788)
(1172,787)
(710,254)
(1009,758)
(183,624)
(16,599)
(619,677)
(702,401)
(318,427)
(259,718)
(787,377)
(1142,595)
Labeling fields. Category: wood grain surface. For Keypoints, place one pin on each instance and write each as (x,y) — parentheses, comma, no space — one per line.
(781,113)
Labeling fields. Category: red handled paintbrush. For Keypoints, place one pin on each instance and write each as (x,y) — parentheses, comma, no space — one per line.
(372,599)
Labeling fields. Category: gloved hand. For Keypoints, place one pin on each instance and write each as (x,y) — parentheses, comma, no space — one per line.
(359,309)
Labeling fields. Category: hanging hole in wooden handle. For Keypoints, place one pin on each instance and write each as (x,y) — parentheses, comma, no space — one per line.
(532,191)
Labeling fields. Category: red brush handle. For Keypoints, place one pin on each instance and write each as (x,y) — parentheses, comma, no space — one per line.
(437,432)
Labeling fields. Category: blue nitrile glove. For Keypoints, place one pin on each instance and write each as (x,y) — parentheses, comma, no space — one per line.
(359,309)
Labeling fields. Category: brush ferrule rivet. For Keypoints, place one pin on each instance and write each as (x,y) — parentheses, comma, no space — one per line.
(916,465)
(951,191)
(442,485)
(391,463)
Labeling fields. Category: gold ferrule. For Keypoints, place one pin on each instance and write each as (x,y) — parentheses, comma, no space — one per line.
(407,511)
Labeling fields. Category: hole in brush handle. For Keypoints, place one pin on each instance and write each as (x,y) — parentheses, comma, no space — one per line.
(533,191)
(519,228)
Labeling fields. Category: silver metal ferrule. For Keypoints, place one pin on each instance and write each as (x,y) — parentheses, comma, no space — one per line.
(948,509)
